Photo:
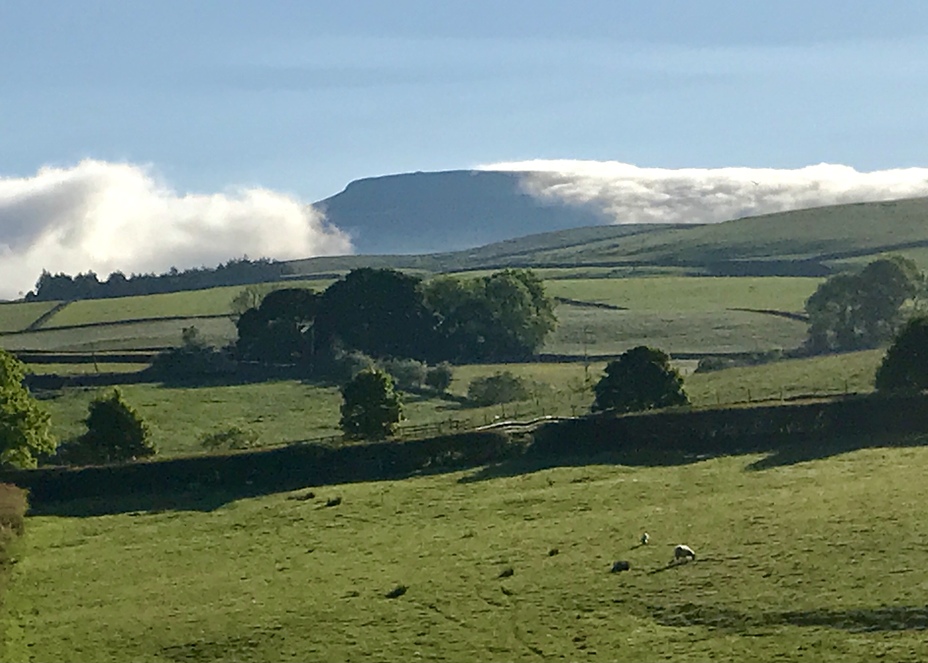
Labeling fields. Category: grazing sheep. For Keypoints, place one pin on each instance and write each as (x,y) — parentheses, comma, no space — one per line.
(682,552)
(645,538)
(620,565)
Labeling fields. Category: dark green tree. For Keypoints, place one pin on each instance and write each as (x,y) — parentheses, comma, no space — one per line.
(377,311)
(281,329)
(25,427)
(855,311)
(905,365)
(505,316)
(641,379)
(371,408)
(115,433)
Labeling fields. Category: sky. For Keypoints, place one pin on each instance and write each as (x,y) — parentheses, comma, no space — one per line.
(139,135)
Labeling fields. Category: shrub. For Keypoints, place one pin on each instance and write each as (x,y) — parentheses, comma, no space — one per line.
(229,439)
(371,409)
(25,427)
(501,387)
(343,366)
(641,379)
(905,365)
(439,377)
(407,374)
(115,433)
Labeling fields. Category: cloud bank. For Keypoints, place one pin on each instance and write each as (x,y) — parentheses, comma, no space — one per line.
(105,217)
(629,194)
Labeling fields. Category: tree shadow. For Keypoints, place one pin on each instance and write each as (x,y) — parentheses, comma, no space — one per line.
(810,450)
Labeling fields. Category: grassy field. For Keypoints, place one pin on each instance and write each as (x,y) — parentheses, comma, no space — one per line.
(284,412)
(685,294)
(17,316)
(812,561)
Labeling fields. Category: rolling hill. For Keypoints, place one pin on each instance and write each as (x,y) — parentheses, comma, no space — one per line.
(811,242)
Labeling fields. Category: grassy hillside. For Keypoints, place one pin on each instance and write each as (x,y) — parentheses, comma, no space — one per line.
(812,561)
(829,235)
(288,411)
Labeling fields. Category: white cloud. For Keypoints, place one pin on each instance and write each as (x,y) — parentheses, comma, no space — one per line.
(106,216)
(629,194)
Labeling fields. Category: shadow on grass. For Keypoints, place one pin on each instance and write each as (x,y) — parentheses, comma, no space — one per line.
(883,618)
(794,453)
(529,464)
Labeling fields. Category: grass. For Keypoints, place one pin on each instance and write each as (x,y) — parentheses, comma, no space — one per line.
(289,411)
(832,374)
(812,561)
(17,316)
(601,331)
(686,294)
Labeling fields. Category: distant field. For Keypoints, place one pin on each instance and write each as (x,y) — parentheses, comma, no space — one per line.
(684,294)
(213,301)
(16,316)
(601,331)
(815,561)
(154,333)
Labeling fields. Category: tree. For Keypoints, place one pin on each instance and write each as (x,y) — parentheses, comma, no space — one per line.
(281,329)
(905,365)
(501,317)
(371,409)
(25,427)
(862,310)
(641,379)
(115,433)
(380,312)
(439,377)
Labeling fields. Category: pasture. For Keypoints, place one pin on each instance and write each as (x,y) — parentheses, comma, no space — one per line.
(813,561)
(288,411)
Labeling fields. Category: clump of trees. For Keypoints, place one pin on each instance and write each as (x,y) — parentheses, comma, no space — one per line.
(25,427)
(640,379)
(905,366)
(388,315)
(371,408)
(192,361)
(89,286)
(115,433)
(856,311)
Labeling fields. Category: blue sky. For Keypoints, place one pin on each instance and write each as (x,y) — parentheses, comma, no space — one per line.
(304,96)
(143,135)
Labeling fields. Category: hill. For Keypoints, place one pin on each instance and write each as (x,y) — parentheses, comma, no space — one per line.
(801,561)
(811,242)
(442,211)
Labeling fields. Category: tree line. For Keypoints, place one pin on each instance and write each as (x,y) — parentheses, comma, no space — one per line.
(87,285)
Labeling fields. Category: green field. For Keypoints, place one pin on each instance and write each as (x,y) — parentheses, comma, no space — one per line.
(17,316)
(813,561)
(283,412)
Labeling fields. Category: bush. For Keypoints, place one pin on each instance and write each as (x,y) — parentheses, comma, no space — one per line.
(641,379)
(439,377)
(371,409)
(343,366)
(503,387)
(407,374)
(229,439)
(905,365)
(25,427)
(115,433)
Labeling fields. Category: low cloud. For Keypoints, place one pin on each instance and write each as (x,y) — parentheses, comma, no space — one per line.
(629,194)
(105,217)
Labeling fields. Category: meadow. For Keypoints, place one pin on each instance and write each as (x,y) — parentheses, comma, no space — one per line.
(811,561)
(290,411)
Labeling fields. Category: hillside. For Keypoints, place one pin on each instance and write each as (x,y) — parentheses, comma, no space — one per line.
(809,242)
(427,212)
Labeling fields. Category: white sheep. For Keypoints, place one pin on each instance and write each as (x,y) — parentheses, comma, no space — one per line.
(682,552)
(645,538)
